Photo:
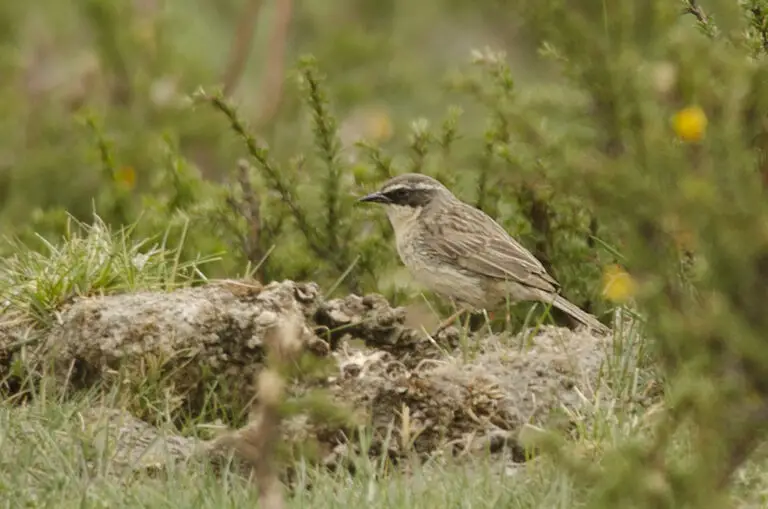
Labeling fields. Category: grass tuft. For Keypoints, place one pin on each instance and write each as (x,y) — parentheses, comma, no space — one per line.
(90,260)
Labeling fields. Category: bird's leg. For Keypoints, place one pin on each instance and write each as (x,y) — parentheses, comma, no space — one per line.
(448,321)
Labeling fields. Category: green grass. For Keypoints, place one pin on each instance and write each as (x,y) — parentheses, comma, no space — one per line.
(92,259)
(52,463)
(582,136)
(48,468)
(45,464)
(54,455)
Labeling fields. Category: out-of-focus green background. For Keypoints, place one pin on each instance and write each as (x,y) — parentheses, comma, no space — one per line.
(131,64)
(96,115)
(618,140)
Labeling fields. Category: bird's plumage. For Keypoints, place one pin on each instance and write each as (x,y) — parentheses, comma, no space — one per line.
(474,241)
(458,250)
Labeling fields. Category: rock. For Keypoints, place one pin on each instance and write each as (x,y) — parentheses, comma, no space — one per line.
(185,338)
(459,404)
(130,445)
(380,326)
(428,395)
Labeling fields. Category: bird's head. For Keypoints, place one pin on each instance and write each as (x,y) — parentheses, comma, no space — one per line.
(405,196)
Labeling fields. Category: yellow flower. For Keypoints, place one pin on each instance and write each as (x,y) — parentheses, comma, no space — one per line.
(690,123)
(126,176)
(618,285)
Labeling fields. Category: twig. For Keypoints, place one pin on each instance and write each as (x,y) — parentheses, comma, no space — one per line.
(250,211)
(256,443)
(236,207)
(241,46)
(273,75)
(693,7)
(328,143)
(275,179)
(705,21)
(759,24)
(261,156)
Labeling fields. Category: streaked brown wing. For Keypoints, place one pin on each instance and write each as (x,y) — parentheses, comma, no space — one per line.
(474,241)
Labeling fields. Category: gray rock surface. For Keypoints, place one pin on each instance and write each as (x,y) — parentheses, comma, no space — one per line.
(430,395)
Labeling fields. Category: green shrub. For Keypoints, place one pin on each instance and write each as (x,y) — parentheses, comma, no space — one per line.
(641,143)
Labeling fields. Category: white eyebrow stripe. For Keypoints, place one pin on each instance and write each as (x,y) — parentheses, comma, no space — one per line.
(419,186)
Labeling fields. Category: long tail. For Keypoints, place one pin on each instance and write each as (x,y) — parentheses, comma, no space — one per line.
(579,314)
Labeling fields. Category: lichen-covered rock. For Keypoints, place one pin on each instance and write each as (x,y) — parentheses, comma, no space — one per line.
(117,444)
(129,445)
(428,394)
(180,339)
(373,320)
(486,399)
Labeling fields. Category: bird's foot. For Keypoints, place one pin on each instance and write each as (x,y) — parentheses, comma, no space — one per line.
(449,321)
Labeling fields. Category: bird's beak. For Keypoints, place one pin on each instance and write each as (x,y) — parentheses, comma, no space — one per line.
(376,197)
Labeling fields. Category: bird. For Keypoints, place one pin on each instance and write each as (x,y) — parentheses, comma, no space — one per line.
(458,251)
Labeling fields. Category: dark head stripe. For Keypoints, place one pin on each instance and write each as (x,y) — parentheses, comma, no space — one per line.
(401,195)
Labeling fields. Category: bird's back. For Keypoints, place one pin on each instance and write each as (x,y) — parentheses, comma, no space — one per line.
(470,239)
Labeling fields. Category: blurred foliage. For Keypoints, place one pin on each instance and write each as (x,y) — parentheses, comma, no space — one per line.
(667,151)
(633,144)
(104,94)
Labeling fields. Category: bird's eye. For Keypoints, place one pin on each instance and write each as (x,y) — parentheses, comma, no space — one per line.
(398,195)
